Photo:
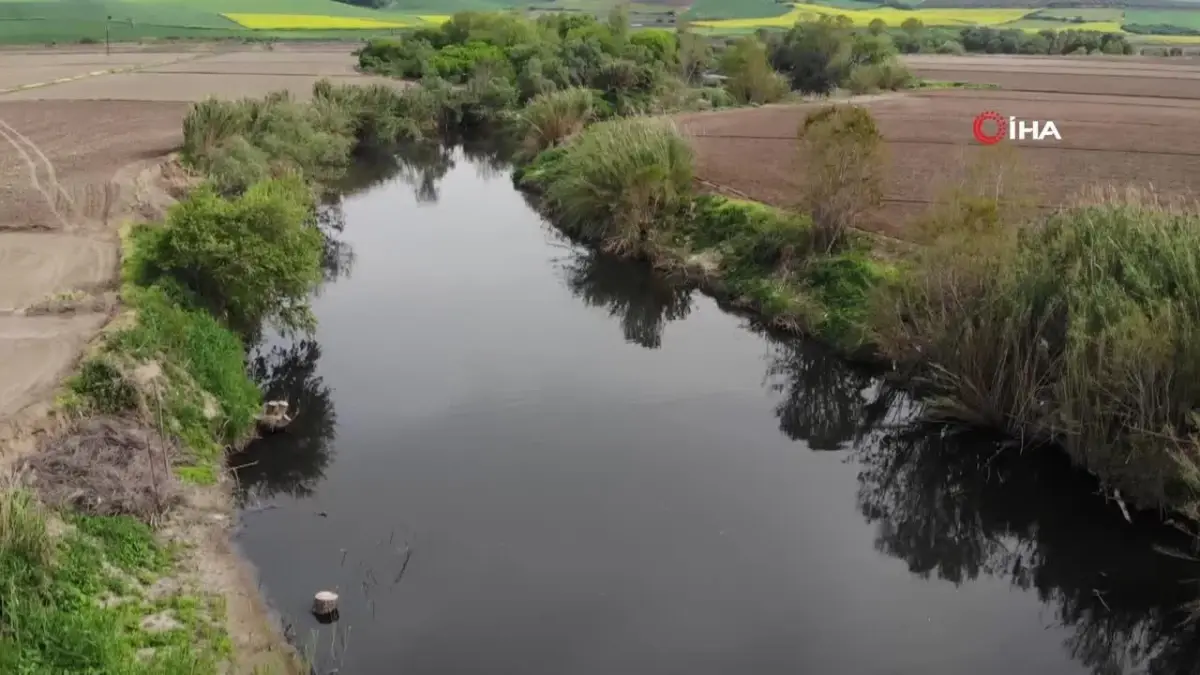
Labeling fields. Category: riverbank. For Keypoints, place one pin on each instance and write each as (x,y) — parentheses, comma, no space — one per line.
(1037,327)
(117,528)
(115,537)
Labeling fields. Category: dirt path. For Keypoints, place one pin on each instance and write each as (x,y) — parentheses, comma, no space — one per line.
(67,175)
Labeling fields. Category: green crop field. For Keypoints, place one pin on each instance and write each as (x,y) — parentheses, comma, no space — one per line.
(47,21)
(736,9)
(1085,13)
(1184,18)
(62,21)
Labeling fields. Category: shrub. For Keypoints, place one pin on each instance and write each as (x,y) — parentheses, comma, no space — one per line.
(533,57)
(888,75)
(554,117)
(254,257)
(750,76)
(619,181)
(1082,329)
(843,157)
(290,135)
(102,385)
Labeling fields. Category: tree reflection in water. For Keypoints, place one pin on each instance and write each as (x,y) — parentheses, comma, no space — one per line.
(291,462)
(634,293)
(956,507)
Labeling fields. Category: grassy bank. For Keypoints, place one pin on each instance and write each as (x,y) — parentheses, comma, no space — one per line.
(1071,332)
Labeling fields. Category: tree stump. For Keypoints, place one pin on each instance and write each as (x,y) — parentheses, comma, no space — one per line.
(274,416)
(325,603)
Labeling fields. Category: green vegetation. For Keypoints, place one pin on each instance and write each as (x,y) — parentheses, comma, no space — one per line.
(1179,18)
(168,386)
(619,182)
(556,116)
(735,9)
(819,56)
(751,77)
(248,259)
(55,21)
(631,72)
(1076,329)
(626,186)
(53,622)
(650,71)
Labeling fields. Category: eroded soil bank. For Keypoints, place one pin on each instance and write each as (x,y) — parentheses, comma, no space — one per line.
(517,456)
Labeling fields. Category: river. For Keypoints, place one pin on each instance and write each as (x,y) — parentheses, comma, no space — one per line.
(513,457)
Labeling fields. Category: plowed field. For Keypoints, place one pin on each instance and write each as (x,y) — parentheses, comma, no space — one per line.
(1109,136)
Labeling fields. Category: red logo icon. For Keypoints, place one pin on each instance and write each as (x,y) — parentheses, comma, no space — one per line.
(981,133)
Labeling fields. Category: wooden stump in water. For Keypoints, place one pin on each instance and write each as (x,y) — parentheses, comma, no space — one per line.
(325,603)
(274,416)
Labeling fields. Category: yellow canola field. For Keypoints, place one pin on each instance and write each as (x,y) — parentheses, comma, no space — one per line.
(312,22)
(890,15)
(434,18)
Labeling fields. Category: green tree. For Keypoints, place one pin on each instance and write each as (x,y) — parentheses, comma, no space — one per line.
(912,26)
(251,258)
(751,79)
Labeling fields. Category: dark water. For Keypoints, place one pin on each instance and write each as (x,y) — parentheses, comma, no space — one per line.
(516,458)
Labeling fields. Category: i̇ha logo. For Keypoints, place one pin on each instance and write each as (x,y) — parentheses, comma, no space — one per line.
(991,127)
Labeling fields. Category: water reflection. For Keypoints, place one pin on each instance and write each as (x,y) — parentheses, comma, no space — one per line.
(294,461)
(337,258)
(823,400)
(956,508)
(640,299)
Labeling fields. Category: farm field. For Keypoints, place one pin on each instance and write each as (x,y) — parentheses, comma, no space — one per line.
(1108,136)
(47,21)
(59,232)
(1023,16)
(72,21)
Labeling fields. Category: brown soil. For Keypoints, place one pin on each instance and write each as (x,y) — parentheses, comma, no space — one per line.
(62,203)
(1107,137)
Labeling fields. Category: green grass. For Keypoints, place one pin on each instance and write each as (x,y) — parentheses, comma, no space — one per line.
(736,9)
(44,21)
(1185,18)
(53,620)
(1086,13)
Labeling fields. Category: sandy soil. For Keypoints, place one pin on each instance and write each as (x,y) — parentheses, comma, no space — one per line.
(1108,135)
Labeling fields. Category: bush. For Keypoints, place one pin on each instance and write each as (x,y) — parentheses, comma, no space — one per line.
(751,79)
(241,142)
(534,57)
(1081,330)
(103,387)
(843,157)
(288,136)
(251,258)
(554,117)
(619,182)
